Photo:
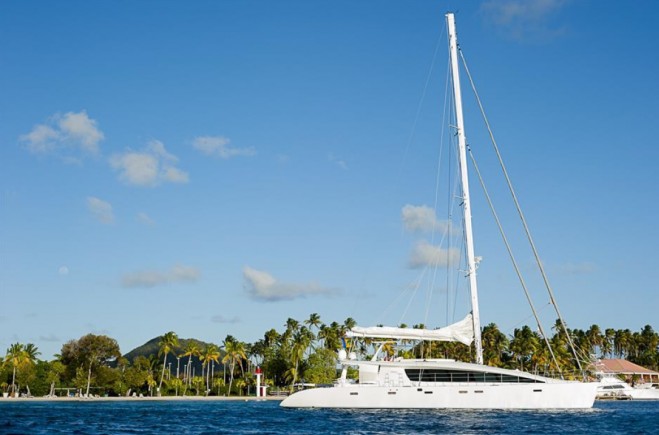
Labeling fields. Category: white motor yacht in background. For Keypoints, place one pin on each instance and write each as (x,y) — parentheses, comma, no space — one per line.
(611,387)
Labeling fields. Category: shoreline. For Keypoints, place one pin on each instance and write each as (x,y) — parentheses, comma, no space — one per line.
(145,399)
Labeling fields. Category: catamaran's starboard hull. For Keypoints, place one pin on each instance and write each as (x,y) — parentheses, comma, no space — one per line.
(560,395)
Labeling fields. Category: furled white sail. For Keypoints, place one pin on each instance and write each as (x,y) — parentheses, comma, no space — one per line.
(462,331)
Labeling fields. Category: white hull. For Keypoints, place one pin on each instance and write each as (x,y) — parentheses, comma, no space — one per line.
(443,384)
(645,394)
(611,387)
(559,395)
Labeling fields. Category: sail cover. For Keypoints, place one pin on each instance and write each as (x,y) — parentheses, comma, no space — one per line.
(462,331)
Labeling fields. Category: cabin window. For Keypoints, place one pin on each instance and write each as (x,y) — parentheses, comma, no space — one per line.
(435,375)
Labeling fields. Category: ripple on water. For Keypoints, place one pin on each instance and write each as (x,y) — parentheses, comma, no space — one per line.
(267,417)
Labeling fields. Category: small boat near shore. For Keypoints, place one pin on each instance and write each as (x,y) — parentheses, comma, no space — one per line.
(612,388)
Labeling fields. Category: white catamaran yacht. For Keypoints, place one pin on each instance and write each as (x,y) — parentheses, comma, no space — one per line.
(443,383)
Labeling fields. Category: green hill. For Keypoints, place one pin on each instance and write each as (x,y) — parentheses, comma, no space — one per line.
(150,350)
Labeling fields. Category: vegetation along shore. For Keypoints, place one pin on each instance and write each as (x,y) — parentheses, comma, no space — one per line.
(304,352)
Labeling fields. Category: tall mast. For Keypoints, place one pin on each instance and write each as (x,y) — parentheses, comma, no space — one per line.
(466,205)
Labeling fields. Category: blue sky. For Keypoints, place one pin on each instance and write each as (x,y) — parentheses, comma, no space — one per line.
(214,168)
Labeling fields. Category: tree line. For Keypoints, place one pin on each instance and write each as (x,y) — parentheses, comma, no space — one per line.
(303,352)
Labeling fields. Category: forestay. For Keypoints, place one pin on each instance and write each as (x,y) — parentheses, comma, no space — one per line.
(462,331)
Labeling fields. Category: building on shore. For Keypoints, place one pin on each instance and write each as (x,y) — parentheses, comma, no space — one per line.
(630,371)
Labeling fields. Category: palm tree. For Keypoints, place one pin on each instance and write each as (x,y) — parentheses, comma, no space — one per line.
(240,384)
(541,358)
(235,352)
(167,343)
(211,353)
(14,358)
(257,351)
(562,354)
(607,342)
(151,373)
(292,327)
(313,322)
(388,348)
(494,344)
(191,349)
(524,344)
(197,382)
(331,335)
(647,345)
(271,338)
(20,355)
(29,357)
(218,383)
(621,342)
(595,338)
(301,342)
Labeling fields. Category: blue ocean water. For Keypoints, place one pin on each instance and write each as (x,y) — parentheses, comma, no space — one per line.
(145,417)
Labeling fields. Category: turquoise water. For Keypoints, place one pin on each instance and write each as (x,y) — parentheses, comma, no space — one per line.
(145,417)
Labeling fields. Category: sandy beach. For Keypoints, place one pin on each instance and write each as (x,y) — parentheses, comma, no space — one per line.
(145,398)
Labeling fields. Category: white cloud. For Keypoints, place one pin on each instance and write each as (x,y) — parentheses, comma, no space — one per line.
(584,268)
(90,327)
(219,146)
(174,175)
(157,148)
(423,219)
(64,132)
(136,168)
(148,168)
(145,219)
(525,19)
(100,209)
(153,278)
(63,270)
(338,162)
(41,140)
(51,338)
(264,287)
(425,254)
(80,128)
(219,318)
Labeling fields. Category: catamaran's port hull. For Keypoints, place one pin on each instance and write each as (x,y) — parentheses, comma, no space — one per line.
(559,395)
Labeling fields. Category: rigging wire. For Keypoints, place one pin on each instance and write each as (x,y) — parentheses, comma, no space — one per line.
(423,96)
(524,320)
(431,284)
(453,187)
(410,139)
(521,215)
(453,193)
(412,287)
(512,259)
(407,147)
(448,228)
